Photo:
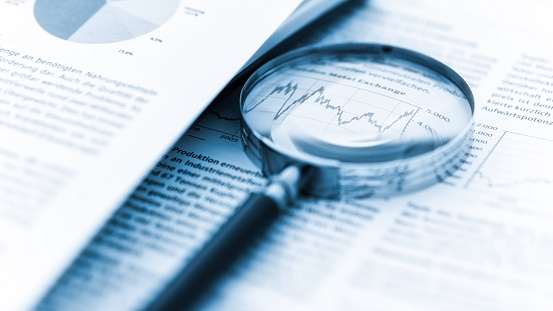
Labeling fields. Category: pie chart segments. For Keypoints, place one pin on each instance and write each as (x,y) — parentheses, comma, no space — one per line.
(101,21)
(148,10)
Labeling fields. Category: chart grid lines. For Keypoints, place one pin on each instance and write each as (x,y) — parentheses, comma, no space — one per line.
(516,164)
(485,159)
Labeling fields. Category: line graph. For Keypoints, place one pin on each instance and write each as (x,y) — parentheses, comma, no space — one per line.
(290,89)
(514,183)
(517,162)
(220,116)
(220,121)
(329,109)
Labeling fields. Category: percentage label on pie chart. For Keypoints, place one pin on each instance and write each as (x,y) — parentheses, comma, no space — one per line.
(102,21)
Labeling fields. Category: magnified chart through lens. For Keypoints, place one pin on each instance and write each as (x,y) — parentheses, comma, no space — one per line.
(356,108)
(102,21)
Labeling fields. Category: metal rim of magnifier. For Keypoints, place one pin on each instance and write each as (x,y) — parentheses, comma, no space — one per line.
(330,178)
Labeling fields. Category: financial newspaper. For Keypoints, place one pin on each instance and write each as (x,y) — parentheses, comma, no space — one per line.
(479,240)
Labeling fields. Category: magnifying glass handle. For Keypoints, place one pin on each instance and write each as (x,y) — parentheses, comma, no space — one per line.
(249,220)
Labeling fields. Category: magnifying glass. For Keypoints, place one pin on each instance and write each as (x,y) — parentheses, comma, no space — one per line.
(341,121)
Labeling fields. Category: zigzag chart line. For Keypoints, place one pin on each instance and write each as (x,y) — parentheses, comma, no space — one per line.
(290,89)
(492,184)
(515,161)
(222,117)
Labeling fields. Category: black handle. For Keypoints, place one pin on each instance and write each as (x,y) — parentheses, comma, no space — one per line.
(247,222)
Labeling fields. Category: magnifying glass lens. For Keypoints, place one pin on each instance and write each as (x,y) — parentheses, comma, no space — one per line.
(356,107)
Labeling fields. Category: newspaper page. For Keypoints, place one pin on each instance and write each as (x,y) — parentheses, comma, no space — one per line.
(479,240)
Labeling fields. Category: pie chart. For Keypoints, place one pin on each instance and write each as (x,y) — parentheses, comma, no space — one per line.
(102,21)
